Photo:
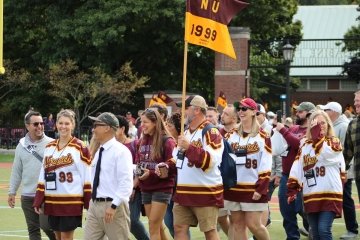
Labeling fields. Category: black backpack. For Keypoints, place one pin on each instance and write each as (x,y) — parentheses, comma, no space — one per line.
(227,166)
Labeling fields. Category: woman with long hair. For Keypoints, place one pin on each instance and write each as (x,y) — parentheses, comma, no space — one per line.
(157,170)
(64,182)
(319,171)
(136,226)
(248,199)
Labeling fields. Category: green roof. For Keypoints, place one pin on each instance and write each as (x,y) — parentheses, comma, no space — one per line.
(323,22)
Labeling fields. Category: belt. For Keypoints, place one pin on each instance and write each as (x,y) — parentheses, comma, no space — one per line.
(108,199)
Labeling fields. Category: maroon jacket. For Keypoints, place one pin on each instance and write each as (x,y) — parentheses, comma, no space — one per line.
(292,136)
(154,183)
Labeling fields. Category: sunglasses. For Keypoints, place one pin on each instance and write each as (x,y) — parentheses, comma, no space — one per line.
(98,124)
(151,110)
(244,109)
(36,124)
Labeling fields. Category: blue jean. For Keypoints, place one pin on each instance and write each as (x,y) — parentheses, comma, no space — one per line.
(136,226)
(349,209)
(169,218)
(289,211)
(320,224)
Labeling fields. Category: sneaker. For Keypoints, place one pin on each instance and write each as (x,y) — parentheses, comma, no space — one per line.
(268,223)
(303,232)
(349,235)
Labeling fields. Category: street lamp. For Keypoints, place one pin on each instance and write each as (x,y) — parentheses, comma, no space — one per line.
(288,54)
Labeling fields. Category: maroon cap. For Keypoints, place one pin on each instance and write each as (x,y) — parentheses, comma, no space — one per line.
(248,102)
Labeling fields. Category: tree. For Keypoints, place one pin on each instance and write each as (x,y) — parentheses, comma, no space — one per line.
(87,92)
(107,34)
(352,44)
(13,78)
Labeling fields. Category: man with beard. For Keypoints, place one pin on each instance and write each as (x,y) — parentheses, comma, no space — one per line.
(199,190)
(293,136)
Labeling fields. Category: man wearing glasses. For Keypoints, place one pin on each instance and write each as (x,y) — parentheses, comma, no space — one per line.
(26,168)
(112,173)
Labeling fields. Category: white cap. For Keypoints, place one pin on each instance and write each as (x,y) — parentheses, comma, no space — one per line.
(333,106)
(261,108)
(270,114)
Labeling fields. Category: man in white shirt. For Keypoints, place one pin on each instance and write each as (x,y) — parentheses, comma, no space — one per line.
(112,183)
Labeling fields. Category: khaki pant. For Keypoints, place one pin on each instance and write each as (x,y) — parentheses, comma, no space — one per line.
(96,228)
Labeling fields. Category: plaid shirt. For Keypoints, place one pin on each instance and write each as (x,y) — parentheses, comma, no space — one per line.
(352,145)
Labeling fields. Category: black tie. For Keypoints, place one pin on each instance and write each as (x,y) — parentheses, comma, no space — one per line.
(97,175)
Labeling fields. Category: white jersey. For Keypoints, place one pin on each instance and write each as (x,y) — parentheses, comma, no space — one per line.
(64,181)
(319,169)
(199,181)
(253,169)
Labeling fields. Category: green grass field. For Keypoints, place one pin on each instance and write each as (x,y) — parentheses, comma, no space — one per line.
(13,226)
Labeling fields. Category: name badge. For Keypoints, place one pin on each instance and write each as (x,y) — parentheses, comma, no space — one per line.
(310,177)
(179,163)
(50,181)
(240,160)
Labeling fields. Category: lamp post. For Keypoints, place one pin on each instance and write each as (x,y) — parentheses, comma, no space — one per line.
(288,54)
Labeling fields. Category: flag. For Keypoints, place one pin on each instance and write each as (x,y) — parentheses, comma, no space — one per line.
(164,97)
(222,100)
(206,23)
(161,98)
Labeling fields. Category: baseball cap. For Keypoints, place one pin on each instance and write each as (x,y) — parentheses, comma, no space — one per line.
(270,114)
(196,101)
(305,106)
(107,118)
(248,102)
(261,108)
(333,106)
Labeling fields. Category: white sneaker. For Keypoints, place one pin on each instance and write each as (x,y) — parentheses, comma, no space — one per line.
(349,235)
(303,232)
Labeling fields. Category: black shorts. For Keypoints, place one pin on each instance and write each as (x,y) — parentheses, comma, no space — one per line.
(65,223)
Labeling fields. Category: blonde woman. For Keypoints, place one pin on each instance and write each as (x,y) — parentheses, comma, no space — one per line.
(319,171)
(64,183)
(248,199)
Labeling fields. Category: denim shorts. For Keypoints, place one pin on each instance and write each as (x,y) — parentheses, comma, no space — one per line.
(148,197)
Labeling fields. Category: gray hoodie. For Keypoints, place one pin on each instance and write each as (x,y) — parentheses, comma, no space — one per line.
(26,167)
(340,127)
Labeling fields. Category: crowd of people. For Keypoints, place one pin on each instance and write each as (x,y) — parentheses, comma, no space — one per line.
(147,166)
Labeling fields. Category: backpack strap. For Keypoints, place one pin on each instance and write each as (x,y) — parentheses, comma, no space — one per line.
(207,128)
(30,149)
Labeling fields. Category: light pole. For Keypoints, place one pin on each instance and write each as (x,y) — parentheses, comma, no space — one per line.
(288,54)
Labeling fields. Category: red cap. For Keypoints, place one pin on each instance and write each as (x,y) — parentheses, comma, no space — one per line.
(248,102)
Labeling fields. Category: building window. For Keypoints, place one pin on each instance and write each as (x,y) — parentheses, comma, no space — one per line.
(303,85)
(347,84)
(318,84)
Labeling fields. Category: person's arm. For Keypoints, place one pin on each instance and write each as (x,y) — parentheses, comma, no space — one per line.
(85,173)
(348,145)
(40,191)
(264,170)
(294,183)
(211,154)
(15,177)
(124,183)
(292,140)
(124,173)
